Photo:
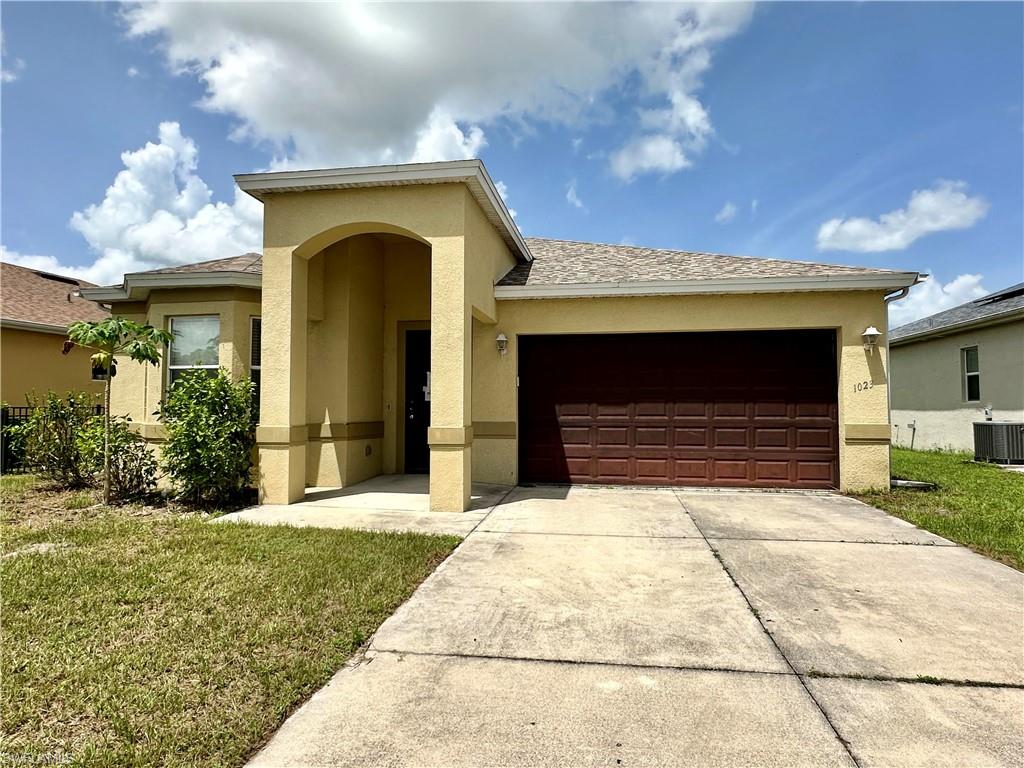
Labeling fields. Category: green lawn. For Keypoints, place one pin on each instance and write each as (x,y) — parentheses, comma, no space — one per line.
(978,505)
(171,641)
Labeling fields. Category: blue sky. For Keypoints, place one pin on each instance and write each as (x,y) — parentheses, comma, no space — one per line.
(885,135)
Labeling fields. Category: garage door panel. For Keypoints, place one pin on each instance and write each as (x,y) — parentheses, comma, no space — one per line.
(690,436)
(813,471)
(771,437)
(652,436)
(771,470)
(612,436)
(694,471)
(745,408)
(725,469)
(768,409)
(576,435)
(820,437)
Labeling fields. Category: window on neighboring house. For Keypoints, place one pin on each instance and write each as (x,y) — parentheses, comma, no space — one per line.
(972,374)
(196,344)
(255,339)
(99,373)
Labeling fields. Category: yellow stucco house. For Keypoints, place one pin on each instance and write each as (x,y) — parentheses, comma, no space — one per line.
(398,322)
(35,310)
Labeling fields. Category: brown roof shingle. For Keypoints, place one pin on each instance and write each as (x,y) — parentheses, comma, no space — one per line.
(247,262)
(39,297)
(567,262)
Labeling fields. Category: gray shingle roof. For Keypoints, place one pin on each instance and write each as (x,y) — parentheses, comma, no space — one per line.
(247,262)
(1007,301)
(566,262)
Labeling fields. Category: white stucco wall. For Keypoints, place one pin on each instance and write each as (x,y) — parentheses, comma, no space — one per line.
(927,388)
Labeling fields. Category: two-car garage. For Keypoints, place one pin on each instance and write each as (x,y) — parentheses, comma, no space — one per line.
(731,408)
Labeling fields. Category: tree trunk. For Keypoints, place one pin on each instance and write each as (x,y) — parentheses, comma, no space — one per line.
(106,435)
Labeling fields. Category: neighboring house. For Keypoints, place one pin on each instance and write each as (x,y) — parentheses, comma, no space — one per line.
(35,311)
(407,326)
(957,367)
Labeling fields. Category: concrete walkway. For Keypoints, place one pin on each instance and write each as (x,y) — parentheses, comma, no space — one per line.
(653,627)
(383,503)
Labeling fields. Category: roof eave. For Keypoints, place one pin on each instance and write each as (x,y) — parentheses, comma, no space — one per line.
(968,325)
(469,172)
(875,282)
(29,325)
(136,286)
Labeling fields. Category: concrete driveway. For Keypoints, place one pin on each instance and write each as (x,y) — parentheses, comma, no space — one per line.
(652,627)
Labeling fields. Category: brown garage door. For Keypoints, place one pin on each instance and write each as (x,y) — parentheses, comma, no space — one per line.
(725,409)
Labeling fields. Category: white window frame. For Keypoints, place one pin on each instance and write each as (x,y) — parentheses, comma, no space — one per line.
(965,375)
(170,327)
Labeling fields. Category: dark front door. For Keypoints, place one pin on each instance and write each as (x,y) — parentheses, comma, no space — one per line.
(725,409)
(417,401)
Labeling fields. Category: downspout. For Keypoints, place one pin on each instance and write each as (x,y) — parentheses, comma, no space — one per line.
(900,294)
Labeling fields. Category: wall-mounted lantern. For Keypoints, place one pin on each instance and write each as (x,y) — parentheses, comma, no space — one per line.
(870,337)
(502,341)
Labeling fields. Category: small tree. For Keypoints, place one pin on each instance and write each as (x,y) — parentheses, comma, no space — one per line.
(107,339)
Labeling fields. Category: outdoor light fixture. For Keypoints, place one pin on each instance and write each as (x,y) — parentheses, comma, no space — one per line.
(870,337)
(502,341)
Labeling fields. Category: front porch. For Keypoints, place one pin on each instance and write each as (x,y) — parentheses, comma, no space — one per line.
(383,503)
(373,290)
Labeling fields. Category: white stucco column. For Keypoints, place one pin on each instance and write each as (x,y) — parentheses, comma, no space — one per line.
(281,435)
(451,433)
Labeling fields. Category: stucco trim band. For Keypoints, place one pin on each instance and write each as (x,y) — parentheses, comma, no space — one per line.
(340,430)
(868,433)
(295,435)
(450,436)
(150,432)
(494,430)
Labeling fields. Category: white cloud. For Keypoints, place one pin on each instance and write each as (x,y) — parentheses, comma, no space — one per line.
(158,212)
(945,206)
(503,191)
(9,74)
(133,72)
(42,263)
(932,296)
(727,214)
(344,84)
(649,154)
(754,204)
(573,198)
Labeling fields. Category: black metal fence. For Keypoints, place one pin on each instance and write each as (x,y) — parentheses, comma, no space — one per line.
(11,457)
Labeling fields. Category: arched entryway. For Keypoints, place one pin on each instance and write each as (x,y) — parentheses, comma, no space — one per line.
(367,358)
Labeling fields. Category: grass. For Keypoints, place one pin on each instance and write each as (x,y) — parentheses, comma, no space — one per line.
(978,505)
(170,641)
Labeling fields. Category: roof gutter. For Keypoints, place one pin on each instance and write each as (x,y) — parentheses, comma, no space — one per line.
(888,281)
(137,286)
(28,325)
(469,172)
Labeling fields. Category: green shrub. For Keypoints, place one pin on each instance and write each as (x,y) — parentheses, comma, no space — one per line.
(12,442)
(133,467)
(210,436)
(51,437)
